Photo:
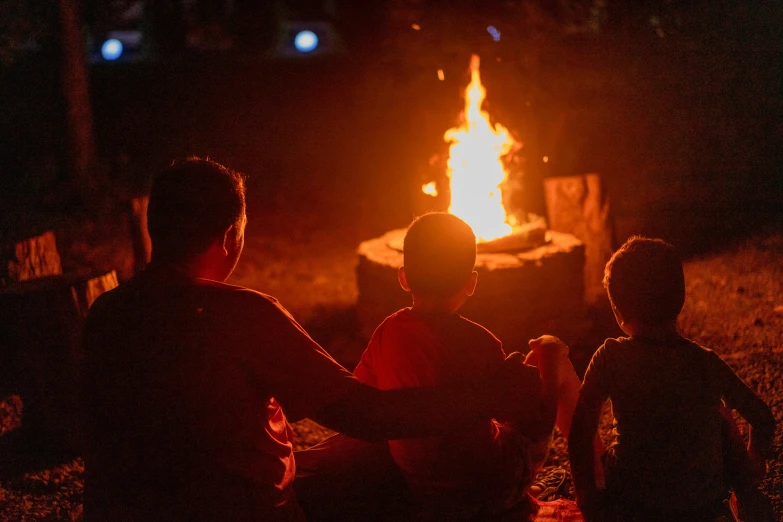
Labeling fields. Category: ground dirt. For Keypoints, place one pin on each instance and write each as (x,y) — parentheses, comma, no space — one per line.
(734,305)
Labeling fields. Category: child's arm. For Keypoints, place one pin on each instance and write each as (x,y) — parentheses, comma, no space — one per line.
(754,410)
(581,440)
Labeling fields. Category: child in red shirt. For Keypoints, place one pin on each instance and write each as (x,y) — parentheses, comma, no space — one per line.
(464,475)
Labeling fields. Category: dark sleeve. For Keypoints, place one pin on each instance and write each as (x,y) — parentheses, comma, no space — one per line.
(740,397)
(296,370)
(584,425)
(595,385)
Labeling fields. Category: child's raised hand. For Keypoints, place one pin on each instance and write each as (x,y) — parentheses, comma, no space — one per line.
(548,345)
(549,354)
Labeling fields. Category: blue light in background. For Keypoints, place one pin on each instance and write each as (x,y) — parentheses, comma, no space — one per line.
(305,41)
(492,30)
(111,49)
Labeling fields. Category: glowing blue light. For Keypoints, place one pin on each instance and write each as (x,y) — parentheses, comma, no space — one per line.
(305,41)
(111,49)
(492,30)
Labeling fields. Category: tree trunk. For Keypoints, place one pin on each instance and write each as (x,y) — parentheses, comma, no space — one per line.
(76,90)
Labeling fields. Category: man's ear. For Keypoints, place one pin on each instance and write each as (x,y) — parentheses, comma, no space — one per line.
(470,284)
(229,239)
(403,279)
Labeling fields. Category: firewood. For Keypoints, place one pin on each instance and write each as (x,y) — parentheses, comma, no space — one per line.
(577,205)
(30,258)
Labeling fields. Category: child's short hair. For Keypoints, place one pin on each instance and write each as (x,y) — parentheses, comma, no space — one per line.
(439,254)
(645,282)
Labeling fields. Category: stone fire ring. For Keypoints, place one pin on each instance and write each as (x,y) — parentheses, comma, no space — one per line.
(519,296)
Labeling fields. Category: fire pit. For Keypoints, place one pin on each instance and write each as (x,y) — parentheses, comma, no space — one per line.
(519,295)
(530,279)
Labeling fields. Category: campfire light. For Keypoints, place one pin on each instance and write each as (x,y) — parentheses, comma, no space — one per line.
(475,165)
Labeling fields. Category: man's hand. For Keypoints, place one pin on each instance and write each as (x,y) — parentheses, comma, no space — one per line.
(515,389)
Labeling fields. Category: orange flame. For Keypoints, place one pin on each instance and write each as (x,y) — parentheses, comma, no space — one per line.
(475,167)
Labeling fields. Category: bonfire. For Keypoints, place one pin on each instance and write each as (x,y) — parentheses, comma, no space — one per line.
(477,174)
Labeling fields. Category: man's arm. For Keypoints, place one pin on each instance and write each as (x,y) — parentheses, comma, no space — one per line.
(307,382)
(371,414)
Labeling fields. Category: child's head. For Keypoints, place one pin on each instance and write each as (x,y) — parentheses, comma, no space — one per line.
(645,282)
(439,254)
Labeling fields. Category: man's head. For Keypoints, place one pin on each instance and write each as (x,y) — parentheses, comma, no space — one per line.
(439,254)
(645,282)
(196,215)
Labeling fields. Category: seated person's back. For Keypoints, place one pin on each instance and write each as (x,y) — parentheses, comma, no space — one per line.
(666,403)
(412,348)
(671,455)
(430,344)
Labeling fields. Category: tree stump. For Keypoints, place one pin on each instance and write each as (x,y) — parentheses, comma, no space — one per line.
(519,295)
(577,205)
(30,258)
(40,350)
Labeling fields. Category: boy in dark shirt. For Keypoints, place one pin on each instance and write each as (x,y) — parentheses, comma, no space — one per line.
(671,452)
(475,473)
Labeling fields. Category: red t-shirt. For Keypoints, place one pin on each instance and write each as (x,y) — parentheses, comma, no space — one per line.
(411,349)
(185,386)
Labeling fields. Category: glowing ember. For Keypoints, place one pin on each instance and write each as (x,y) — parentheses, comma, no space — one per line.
(430,189)
(475,167)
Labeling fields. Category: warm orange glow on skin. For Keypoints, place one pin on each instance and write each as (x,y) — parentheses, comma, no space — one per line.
(475,167)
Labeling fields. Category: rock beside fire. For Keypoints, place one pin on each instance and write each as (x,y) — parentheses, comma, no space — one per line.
(519,296)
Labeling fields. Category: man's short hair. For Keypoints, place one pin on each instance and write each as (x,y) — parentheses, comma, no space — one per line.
(645,282)
(191,205)
(439,254)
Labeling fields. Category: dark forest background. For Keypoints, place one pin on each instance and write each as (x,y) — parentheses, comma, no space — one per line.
(678,104)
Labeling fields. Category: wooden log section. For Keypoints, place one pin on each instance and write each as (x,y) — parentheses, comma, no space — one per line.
(577,205)
(519,296)
(29,259)
(40,350)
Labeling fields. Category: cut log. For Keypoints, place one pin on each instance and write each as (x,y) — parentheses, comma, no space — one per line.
(40,350)
(142,244)
(30,258)
(577,205)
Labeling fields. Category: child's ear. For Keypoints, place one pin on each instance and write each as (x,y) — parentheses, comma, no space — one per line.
(403,279)
(470,285)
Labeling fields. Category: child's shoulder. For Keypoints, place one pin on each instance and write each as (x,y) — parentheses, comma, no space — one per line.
(475,329)
(681,346)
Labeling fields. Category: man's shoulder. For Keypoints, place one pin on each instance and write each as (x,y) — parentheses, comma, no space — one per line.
(138,292)
(240,293)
